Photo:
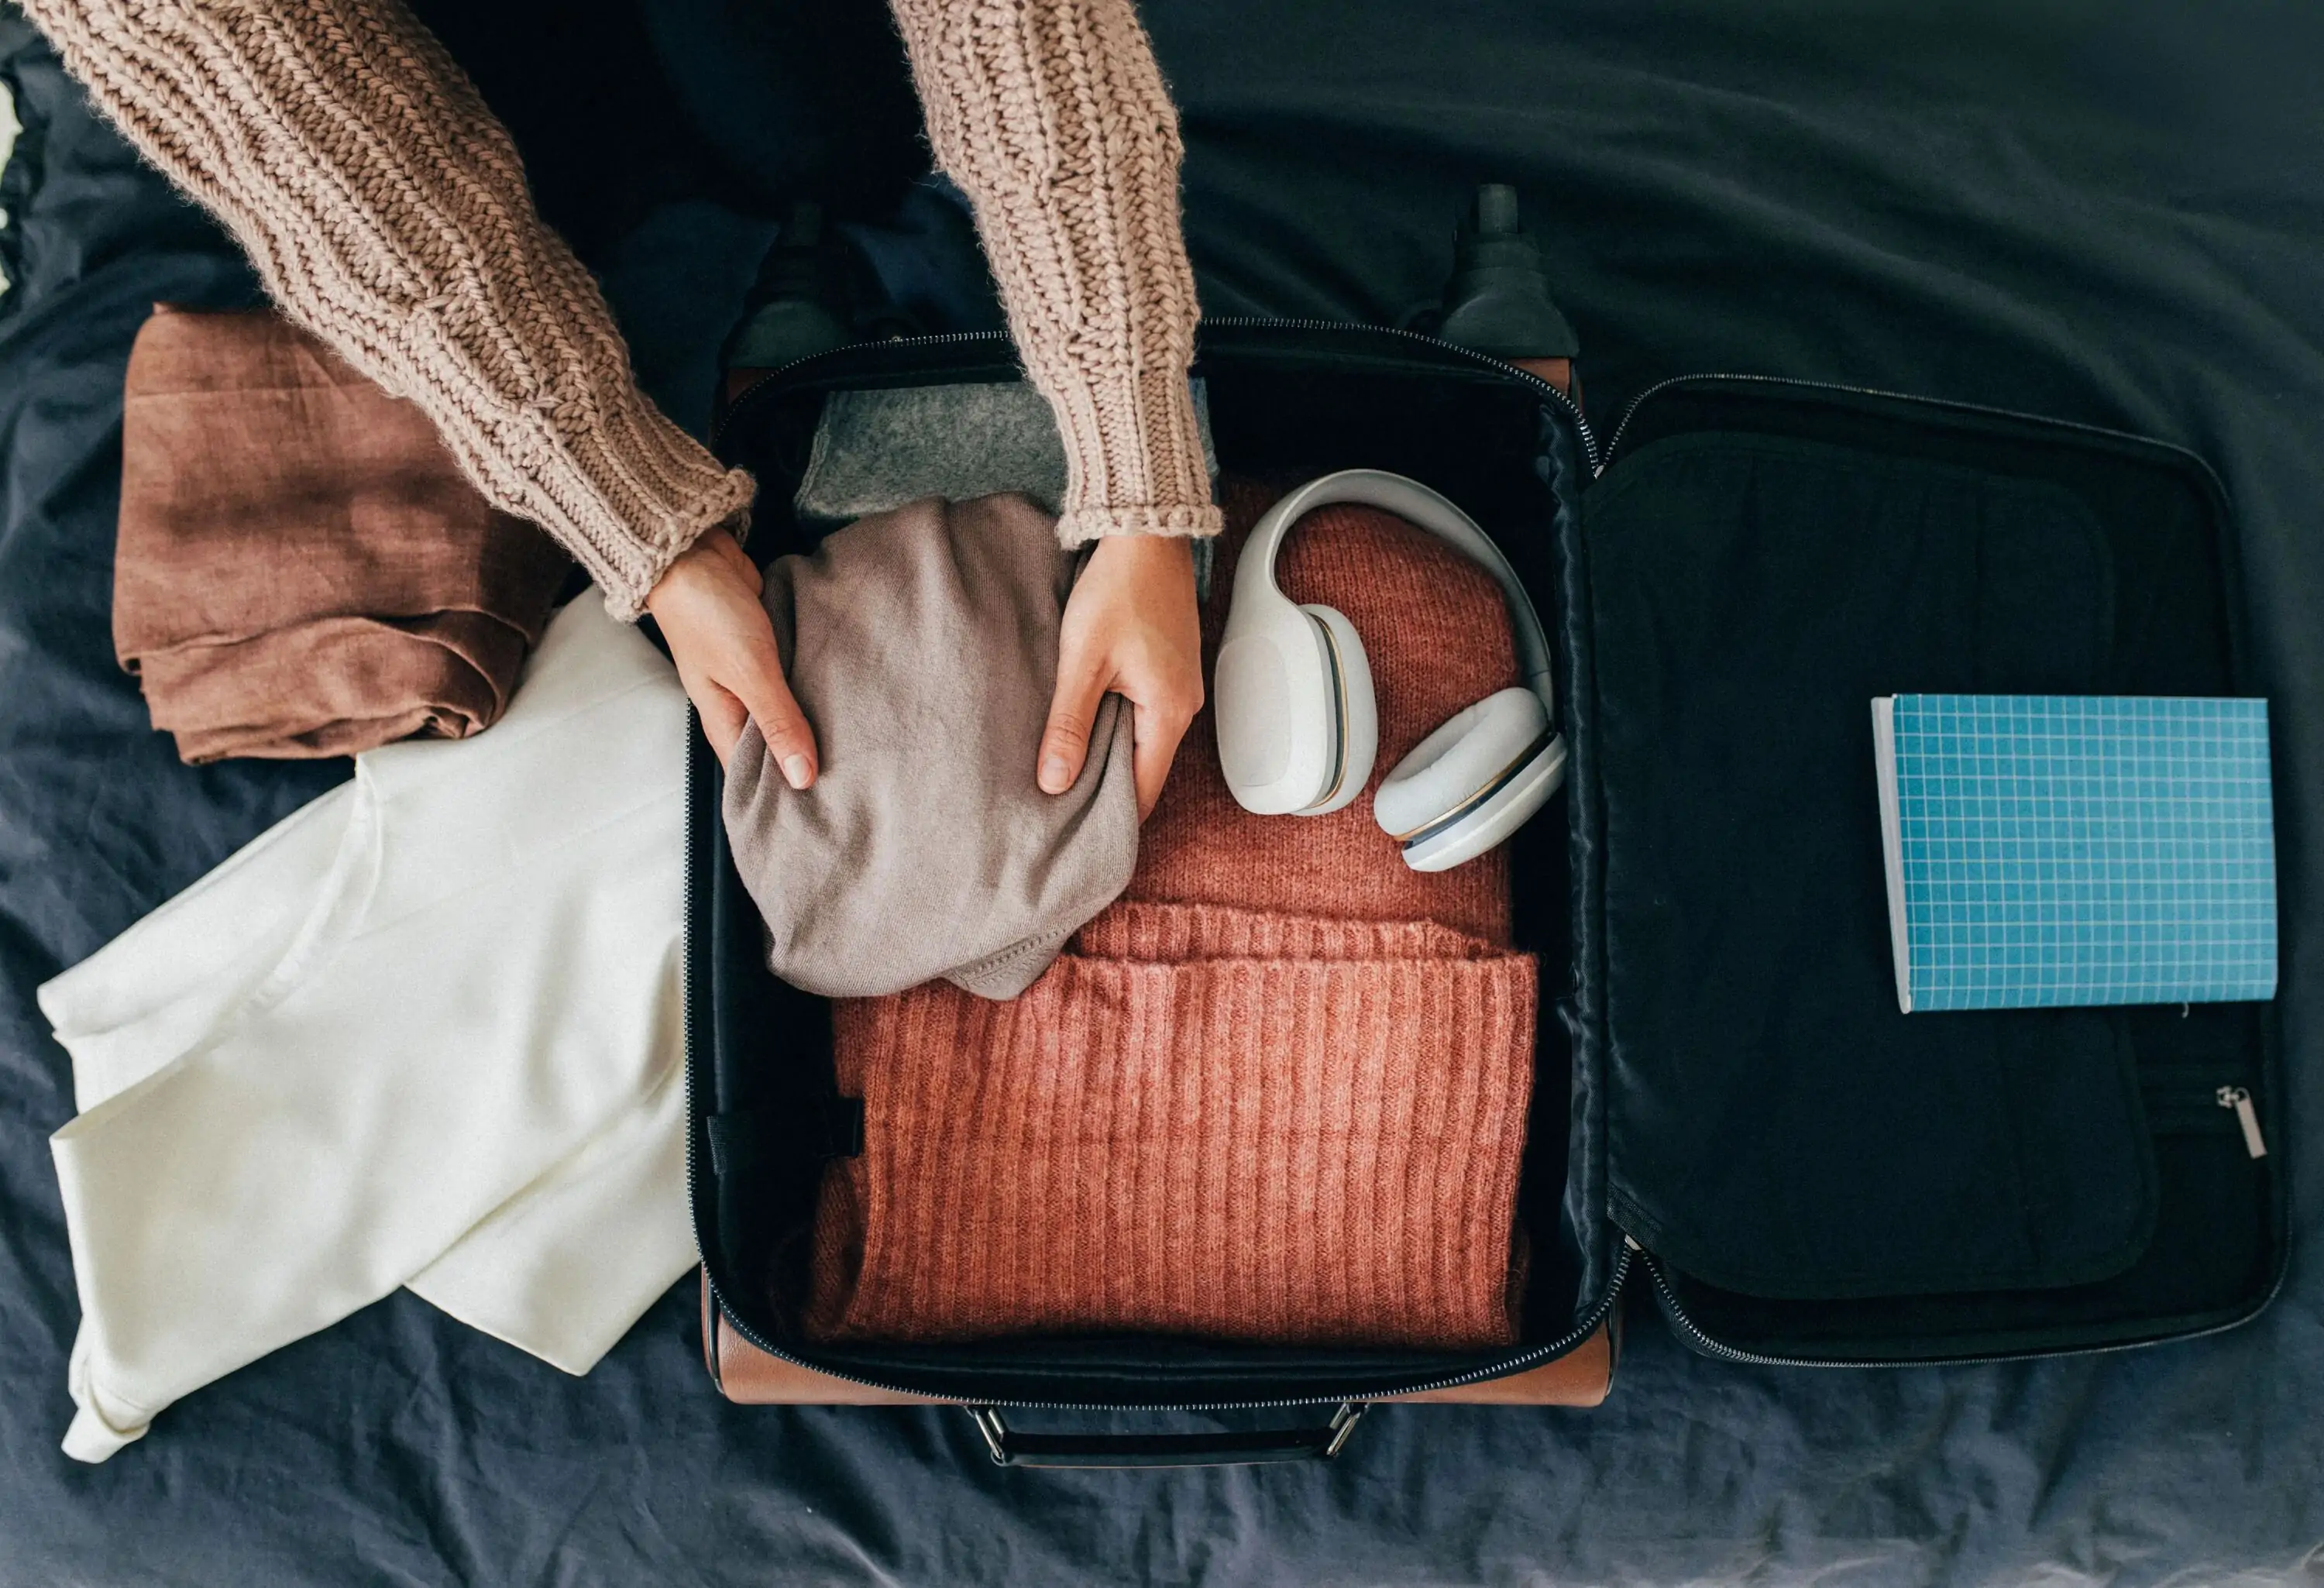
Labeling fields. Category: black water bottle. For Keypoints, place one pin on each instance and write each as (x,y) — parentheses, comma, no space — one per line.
(798,304)
(1497,301)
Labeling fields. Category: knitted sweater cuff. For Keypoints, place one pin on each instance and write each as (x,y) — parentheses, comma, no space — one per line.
(628,496)
(1134,463)
(1079,526)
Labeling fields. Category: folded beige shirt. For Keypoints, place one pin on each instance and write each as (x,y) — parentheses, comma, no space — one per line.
(922,644)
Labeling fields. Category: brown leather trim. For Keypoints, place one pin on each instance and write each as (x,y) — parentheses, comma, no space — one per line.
(1558,371)
(710,1326)
(749,1377)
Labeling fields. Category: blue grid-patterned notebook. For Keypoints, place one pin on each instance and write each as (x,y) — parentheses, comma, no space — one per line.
(2066,849)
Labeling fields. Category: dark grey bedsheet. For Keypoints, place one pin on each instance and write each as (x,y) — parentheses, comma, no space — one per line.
(2109,215)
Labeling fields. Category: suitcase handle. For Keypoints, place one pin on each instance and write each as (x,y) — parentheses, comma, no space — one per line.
(1016,1448)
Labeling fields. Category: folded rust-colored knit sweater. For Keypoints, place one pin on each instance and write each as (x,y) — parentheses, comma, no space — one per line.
(386,211)
(301,571)
(1276,1093)
(1244,1125)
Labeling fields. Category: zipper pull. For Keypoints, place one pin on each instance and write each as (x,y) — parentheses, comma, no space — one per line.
(2239,1099)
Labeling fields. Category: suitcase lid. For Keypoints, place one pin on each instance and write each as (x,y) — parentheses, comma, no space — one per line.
(1817,1176)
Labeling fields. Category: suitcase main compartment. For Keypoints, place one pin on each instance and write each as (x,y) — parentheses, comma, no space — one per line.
(1289,401)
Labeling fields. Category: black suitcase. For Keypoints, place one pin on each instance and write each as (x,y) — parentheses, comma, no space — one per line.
(1728,1104)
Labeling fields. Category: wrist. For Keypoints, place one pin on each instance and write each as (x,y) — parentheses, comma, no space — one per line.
(1147,567)
(686,565)
(1157,551)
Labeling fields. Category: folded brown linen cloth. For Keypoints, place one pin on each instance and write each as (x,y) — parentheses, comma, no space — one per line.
(1240,1125)
(301,570)
(1277,1093)
(922,644)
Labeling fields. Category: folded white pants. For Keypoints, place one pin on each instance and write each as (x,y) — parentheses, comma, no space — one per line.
(425,1032)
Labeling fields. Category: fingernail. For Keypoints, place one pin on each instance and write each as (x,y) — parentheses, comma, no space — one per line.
(797,771)
(1055,778)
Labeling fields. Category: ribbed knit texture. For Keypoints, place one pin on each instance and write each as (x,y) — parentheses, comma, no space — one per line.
(1202,1120)
(1278,1092)
(1052,116)
(386,211)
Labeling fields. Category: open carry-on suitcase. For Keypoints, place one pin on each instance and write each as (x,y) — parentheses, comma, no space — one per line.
(1729,1112)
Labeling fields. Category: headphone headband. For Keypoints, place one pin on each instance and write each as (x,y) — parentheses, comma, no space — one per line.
(1425,509)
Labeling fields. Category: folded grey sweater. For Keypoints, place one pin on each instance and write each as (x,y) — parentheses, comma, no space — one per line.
(922,644)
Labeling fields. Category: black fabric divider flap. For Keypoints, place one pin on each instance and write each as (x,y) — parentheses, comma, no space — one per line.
(810,1132)
(1779,1127)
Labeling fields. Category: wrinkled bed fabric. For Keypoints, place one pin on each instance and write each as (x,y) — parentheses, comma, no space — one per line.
(2110,216)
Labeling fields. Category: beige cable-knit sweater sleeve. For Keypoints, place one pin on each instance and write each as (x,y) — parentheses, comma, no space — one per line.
(1053,117)
(386,212)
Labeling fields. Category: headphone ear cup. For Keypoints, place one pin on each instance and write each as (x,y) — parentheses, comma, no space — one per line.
(1274,702)
(1496,817)
(1477,748)
(1357,713)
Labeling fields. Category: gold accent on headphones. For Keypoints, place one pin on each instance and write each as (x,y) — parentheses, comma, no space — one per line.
(1493,785)
(1340,704)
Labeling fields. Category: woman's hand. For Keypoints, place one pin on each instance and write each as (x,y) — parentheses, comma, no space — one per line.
(707,604)
(1131,628)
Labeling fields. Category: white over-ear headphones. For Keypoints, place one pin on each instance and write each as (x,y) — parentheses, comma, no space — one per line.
(1297,725)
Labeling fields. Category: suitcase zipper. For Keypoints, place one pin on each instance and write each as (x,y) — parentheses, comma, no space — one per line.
(1985,410)
(2198,1097)
(2194,1103)
(2239,1099)
(2196,1111)
(1694,1333)
(1240,322)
